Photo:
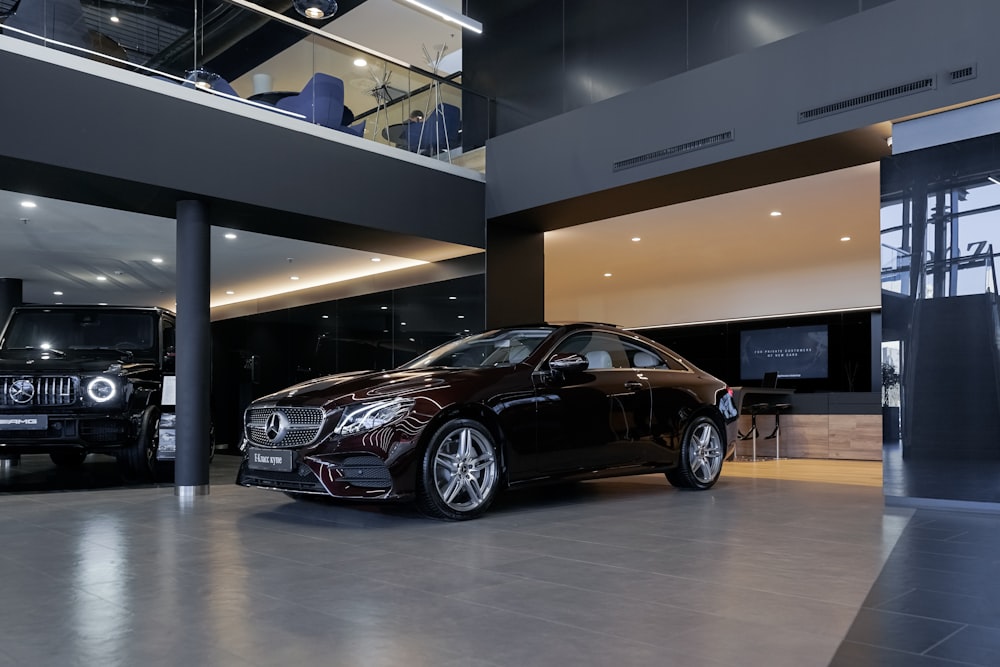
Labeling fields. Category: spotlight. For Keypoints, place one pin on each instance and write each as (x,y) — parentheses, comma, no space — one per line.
(315,9)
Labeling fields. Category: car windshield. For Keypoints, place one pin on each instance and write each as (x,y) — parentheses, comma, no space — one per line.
(504,347)
(81,330)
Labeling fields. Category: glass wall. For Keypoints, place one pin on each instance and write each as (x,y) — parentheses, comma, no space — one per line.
(273,60)
(941,323)
(259,354)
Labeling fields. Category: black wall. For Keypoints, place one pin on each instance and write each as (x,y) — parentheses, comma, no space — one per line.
(715,348)
(259,354)
(541,58)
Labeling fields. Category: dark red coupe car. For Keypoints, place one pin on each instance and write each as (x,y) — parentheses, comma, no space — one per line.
(504,408)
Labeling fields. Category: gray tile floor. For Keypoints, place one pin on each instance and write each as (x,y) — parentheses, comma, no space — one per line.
(616,572)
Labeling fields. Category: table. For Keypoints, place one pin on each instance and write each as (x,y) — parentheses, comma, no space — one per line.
(272,96)
(397,134)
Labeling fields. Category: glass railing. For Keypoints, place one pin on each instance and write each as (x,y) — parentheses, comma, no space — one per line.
(961,276)
(272,58)
(895,269)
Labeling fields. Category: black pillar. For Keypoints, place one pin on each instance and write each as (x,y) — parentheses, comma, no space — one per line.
(11,294)
(194,348)
(515,276)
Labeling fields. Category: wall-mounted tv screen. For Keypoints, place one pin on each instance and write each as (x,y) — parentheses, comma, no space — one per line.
(791,352)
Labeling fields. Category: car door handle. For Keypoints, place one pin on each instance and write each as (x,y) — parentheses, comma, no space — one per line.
(633,385)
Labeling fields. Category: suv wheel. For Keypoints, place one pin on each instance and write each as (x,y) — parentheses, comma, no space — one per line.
(137,459)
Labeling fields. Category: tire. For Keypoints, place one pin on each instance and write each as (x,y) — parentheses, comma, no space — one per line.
(460,473)
(700,461)
(138,459)
(72,458)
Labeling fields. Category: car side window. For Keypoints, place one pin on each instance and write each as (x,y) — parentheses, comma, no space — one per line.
(602,350)
(643,358)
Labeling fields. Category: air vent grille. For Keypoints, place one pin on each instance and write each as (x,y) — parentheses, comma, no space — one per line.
(673,151)
(962,74)
(901,90)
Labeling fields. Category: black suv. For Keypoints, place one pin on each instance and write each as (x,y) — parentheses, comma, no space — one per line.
(76,380)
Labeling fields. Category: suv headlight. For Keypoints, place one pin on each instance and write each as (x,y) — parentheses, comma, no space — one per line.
(102,389)
(367,416)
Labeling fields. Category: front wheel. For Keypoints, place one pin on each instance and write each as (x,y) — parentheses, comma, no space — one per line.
(701,456)
(460,474)
(138,459)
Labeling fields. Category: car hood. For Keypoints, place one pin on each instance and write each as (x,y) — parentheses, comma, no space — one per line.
(372,385)
(69,361)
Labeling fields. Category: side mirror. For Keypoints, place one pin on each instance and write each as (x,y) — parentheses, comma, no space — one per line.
(568,363)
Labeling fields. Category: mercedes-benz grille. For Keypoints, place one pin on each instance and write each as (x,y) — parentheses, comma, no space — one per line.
(38,391)
(282,427)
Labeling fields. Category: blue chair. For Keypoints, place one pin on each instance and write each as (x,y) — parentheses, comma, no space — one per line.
(321,101)
(441,130)
(357,130)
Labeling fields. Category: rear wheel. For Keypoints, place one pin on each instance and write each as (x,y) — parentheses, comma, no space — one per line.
(72,458)
(701,456)
(460,474)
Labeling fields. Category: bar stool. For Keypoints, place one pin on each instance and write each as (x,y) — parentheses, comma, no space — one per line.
(755,409)
(776,433)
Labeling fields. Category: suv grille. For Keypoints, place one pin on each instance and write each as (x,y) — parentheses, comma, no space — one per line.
(299,426)
(45,390)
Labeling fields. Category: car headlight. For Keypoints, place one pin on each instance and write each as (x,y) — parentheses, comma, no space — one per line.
(102,389)
(368,416)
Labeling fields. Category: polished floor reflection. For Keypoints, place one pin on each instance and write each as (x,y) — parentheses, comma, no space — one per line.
(768,568)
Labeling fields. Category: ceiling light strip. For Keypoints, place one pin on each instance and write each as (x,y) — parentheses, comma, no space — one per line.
(315,31)
(447,15)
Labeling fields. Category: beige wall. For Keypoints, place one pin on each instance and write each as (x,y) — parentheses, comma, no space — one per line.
(724,258)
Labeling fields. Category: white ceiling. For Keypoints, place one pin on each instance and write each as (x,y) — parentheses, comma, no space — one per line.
(732,235)
(94,255)
(60,246)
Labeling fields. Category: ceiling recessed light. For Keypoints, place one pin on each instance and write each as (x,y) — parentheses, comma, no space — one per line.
(775,214)
(452,298)
(326,317)
(57,293)
(461,317)
(230,292)
(102,303)
(402,324)
(230,236)
(157,260)
(28,204)
(376,259)
(360,62)
(102,278)
(636,239)
(607,275)
(845,238)
(293,277)
(385,307)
